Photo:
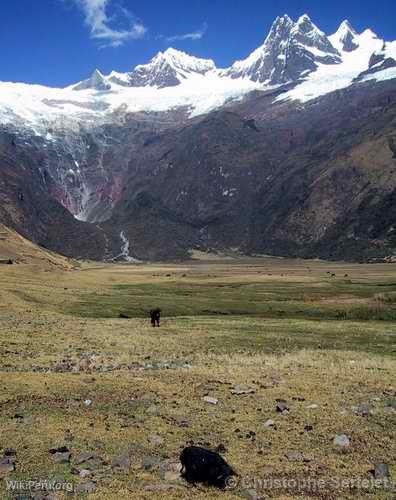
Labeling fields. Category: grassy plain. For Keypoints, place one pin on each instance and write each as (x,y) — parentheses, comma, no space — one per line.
(73,373)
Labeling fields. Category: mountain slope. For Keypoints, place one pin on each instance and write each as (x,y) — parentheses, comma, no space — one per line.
(225,182)
(289,152)
(22,251)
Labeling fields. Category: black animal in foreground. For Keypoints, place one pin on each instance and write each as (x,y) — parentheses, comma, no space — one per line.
(204,466)
(155,315)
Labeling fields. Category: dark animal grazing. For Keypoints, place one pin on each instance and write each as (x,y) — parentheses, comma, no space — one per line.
(204,466)
(155,315)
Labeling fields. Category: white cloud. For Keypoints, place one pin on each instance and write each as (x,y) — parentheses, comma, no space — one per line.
(195,35)
(103,25)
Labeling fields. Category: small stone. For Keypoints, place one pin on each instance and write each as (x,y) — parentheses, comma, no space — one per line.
(68,436)
(94,464)
(121,463)
(262,446)
(381,471)
(83,457)
(282,407)
(210,400)
(60,449)
(6,468)
(250,494)
(153,410)
(87,403)
(183,422)
(156,440)
(62,458)
(313,407)
(170,471)
(242,389)
(363,410)
(88,487)
(295,456)
(149,463)
(10,452)
(269,423)
(341,440)
(221,448)
(84,473)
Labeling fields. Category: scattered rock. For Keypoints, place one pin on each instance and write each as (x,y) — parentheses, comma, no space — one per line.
(341,440)
(149,463)
(269,423)
(182,422)
(391,404)
(61,454)
(250,494)
(121,463)
(88,487)
(62,458)
(221,448)
(84,473)
(87,403)
(239,390)
(381,471)
(166,365)
(156,440)
(7,462)
(83,457)
(170,471)
(94,464)
(90,461)
(363,410)
(10,452)
(153,410)
(294,456)
(281,407)
(210,400)
(6,467)
(313,407)
(308,428)
(262,446)
(298,398)
(68,436)
(23,419)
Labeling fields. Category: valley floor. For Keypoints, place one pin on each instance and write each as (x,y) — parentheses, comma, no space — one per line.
(245,334)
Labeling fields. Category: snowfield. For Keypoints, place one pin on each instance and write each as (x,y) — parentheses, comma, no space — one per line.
(201,88)
(330,77)
(40,106)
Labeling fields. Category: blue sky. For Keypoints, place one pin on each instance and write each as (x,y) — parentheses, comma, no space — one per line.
(58,42)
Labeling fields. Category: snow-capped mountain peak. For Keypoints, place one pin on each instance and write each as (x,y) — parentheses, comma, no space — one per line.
(290,50)
(305,25)
(309,35)
(346,27)
(347,39)
(168,69)
(297,53)
(97,81)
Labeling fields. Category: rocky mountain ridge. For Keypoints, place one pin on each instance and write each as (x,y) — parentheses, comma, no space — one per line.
(178,154)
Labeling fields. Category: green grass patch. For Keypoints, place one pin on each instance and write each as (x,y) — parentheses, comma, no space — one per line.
(270,299)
